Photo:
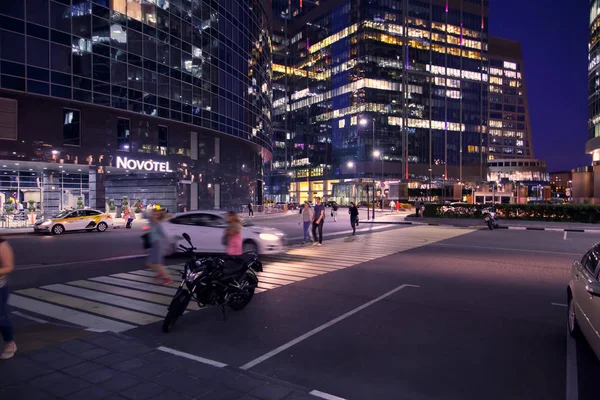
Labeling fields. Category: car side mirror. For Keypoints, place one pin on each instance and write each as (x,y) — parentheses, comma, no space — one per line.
(593,288)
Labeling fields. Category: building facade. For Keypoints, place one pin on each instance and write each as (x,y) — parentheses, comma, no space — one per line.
(593,144)
(382,90)
(168,102)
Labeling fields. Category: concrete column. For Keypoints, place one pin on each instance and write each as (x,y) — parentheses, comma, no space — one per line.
(97,188)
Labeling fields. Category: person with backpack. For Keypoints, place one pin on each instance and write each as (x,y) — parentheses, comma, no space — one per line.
(353,211)
(318,220)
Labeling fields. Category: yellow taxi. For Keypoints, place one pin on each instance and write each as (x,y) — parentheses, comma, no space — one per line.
(75,220)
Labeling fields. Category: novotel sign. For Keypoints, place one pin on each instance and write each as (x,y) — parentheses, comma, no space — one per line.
(143,165)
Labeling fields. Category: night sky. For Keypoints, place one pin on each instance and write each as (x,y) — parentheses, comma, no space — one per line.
(554,42)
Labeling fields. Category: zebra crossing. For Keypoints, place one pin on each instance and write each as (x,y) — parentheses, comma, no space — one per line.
(124,301)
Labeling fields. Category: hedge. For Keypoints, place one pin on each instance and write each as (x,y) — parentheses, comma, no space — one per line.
(531,212)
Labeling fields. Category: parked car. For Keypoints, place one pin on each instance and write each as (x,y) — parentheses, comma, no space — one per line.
(206,229)
(583,299)
(75,220)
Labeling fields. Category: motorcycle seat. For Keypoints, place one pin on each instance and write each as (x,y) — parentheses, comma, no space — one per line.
(236,264)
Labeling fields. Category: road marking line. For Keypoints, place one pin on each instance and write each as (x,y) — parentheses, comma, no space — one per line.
(136,285)
(572,385)
(91,306)
(506,249)
(79,262)
(284,272)
(324,395)
(22,315)
(191,357)
(264,285)
(96,330)
(136,305)
(136,294)
(559,304)
(318,329)
(281,275)
(66,314)
(144,279)
(277,281)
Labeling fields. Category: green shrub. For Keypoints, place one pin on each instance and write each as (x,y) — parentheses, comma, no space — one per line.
(531,212)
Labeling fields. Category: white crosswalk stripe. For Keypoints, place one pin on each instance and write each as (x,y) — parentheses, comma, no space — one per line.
(124,301)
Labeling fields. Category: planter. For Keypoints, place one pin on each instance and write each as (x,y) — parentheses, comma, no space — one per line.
(138,216)
(32,217)
(113,215)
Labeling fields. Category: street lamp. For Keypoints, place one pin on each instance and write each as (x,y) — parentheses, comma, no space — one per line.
(429,187)
(363,122)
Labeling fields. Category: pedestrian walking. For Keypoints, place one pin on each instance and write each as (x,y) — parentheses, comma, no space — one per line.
(422,208)
(398,205)
(6,329)
(306,216)
(353,211)
(127,217)
(334,211)
(392,206)
(250,209)
(233,235)
(158,246)
(318,220)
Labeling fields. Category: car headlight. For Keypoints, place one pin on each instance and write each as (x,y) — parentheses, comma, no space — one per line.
(46,222)
(268,236)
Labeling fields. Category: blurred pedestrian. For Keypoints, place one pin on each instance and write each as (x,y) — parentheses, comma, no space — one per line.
(334,211)
(306,216)
(398,205)
(233,235)
(353,211)
(158,246)
(250,209)
(127,217)
(318,220)
(6,329)
(392,206)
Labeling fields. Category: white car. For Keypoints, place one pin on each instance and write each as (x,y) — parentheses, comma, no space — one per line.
(206,229)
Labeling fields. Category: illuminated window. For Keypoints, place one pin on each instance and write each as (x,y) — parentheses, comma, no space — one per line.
(342,123)
(353,120)
(495,80)
(134,9)
(520,143)
(510,74)
(495,89)
(496,132)
(495,124)
(495,71)
(119,6)
(453,94)
(510,65)
(453,83)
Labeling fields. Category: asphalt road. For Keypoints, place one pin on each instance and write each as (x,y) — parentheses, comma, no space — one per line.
(478,315)
(480,324)
(35,250)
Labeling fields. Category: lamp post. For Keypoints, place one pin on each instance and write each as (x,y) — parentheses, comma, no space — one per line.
(570,196)
(364,122)
(443,188)
(429,187)
(350,165)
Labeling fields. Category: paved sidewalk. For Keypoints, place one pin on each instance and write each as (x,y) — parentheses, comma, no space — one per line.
(508,224)
(111,366)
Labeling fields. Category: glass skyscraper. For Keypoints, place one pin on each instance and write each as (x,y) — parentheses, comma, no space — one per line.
(593,145)
(396,90)
(86,82)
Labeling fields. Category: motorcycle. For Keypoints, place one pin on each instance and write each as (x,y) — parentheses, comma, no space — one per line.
(214,281)
(491,219)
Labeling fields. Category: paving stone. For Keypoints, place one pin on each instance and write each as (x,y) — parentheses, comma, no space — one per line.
(247,397)
(54,358)
(130,364)
(136,350)
(103,340)
(185,384)
(169,395)
(271,391)
(100,375)
(24,391)
(82,369)
(243,384)
(20,369)
(112,359)
(200,370)
(59,384)
(76,347)
(95,353)
(120,382)
(91,393)
(142,391)
(150,371)
(297,395)
(221,393)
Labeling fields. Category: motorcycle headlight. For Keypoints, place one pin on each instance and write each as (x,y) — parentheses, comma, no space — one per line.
(268,237)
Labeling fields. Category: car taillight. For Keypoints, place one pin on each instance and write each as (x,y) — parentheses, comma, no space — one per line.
(146,227)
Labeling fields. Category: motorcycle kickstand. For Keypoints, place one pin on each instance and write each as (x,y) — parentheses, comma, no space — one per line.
(224,313)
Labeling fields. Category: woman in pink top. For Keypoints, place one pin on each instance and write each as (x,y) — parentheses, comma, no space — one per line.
(233,235)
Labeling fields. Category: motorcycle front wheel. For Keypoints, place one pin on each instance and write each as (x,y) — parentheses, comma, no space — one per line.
(176,309)
(240,301)
(490,225)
